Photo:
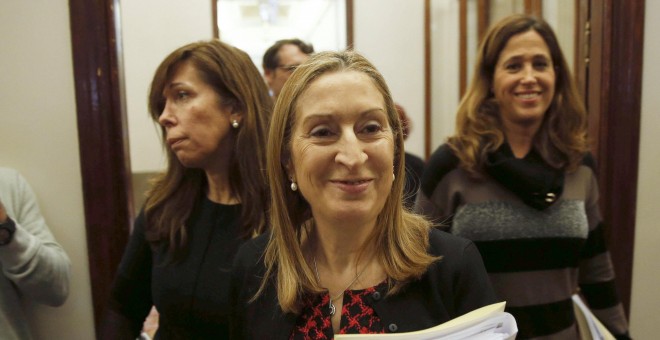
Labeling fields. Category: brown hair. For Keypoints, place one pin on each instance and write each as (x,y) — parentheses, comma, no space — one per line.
(562,137)
(401,238)
(233,76)
(271,57)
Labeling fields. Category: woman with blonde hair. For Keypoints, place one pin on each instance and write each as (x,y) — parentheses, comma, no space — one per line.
(343,255)
(516,178)
(213,108)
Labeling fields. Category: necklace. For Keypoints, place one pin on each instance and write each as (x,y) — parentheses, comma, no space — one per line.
(333,310)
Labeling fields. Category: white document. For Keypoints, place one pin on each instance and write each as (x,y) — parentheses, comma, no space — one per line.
(488,322)
(587,322)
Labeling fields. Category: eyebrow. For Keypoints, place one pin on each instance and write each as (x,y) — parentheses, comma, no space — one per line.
(535,56)
(323,115)
(173,85)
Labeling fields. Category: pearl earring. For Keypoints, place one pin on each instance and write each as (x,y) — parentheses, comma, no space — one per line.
(294,186)
(234,124)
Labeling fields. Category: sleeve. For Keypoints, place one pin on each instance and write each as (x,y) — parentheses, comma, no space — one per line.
(33,261)
(596,272)
(130,298)
(434,201)
(247,271)
(237,304)
(474,289)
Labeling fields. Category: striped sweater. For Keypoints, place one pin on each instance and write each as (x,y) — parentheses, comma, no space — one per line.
(536,259)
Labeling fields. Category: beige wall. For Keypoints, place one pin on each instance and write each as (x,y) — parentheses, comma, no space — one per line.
(148,36)
(645,302)
(38,136)
(390,33)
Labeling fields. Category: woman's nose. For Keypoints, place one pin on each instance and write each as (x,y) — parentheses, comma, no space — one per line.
(350,151)
(529,74)
(166,117)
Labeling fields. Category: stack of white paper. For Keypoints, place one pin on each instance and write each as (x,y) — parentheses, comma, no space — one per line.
(588,324)
(489,322)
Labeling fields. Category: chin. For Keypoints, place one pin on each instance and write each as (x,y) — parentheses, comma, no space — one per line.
(529,118)
(190,163)
(356,214)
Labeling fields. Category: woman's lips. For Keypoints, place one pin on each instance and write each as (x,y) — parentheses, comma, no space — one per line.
(172,142)
(352,186)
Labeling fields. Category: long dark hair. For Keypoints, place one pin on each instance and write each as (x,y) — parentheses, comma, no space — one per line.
(238,83)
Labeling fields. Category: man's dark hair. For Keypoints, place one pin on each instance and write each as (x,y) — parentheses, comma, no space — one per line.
(271,58)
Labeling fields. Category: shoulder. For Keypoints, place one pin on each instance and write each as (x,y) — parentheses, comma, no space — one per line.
(588,161)
(441,162)
(10,178)
(414,162)
(442,243)
(250,254)
(8,172)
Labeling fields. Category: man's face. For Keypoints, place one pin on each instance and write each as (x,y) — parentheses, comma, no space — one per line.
(290,57)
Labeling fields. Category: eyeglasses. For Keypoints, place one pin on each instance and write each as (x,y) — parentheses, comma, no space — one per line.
(288,68)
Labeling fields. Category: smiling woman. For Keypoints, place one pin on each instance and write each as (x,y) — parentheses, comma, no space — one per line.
(342,150)
(344,256)
(517,179)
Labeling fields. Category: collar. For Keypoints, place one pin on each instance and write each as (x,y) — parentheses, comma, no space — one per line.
(530,178)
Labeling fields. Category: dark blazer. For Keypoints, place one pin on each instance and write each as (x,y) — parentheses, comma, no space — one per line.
(452,286)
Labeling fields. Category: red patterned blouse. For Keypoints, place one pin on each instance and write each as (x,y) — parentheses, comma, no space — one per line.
(356,316)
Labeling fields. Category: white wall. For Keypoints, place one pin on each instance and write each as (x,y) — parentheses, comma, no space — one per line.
(445,73)
(390,33)
(253,26)
(645,302)
(38,136)
(148,37)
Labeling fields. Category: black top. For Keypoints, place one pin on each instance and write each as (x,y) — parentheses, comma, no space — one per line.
(414,171)
(452,286)
(192,296)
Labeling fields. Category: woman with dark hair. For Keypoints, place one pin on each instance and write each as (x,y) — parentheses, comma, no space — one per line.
(517,179)
(213,108)
(343,255)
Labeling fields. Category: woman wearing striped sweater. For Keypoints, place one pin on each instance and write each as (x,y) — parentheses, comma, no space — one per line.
(517,180)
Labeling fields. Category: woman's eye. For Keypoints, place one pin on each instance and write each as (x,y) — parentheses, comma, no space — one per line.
(321,132)
(541,65)
(180,95)
(372,128)
(512,67)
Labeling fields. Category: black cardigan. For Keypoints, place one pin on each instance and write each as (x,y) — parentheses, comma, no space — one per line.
(452,286)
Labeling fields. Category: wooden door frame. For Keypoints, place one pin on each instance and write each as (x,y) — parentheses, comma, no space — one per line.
(103,140)
(614,91)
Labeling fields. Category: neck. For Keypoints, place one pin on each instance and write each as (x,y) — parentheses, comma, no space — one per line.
(341,254)
(520,138)
(219,190)
(339,245)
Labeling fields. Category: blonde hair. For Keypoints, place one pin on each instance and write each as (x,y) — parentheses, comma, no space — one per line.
(562,137)
(239,86)
(401,237)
